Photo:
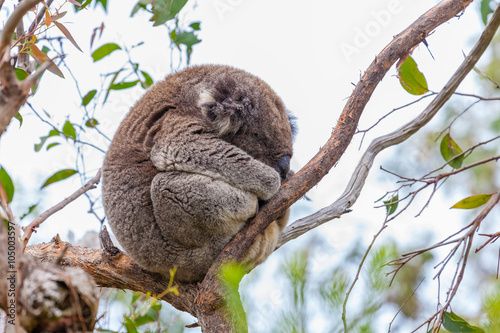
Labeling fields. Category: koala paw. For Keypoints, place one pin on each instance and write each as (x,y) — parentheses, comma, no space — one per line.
(270,182)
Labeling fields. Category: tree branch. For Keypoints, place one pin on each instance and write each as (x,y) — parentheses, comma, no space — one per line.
(10,26)
(319,166)
(113,269)
(356,183)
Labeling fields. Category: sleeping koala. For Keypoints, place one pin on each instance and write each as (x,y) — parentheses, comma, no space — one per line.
(190,165)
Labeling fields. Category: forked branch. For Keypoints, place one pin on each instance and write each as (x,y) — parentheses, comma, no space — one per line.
(356,183)
(320,165)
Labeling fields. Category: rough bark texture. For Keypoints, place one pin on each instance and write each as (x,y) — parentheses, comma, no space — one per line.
(111,268)
(43,297)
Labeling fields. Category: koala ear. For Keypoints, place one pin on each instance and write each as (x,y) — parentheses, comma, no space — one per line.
(227,116)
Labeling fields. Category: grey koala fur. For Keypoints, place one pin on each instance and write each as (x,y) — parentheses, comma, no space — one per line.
(189,166)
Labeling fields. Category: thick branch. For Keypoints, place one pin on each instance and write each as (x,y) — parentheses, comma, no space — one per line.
(356,183)
(113,270)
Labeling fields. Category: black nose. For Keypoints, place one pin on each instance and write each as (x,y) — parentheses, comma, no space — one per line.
(283,166)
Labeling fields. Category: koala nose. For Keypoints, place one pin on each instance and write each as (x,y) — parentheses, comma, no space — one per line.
(283,166)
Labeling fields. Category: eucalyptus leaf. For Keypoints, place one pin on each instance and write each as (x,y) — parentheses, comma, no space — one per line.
(455,324)
(449,149)
(7,184)
(69,130)
(105,50)
(88,97)
(58,176)
(165,10)
(412,80)
(472,201)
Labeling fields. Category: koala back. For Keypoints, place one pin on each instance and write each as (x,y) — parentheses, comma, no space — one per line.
(190,164)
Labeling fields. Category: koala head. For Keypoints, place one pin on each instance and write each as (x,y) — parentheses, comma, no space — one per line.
(244,111)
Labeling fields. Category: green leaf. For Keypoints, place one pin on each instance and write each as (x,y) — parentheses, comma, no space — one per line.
(156,305)
(92,122)
(112,82)
(195,26)
(30,210)
(150,317)
(472,201)
(21,74)
(88,97)
(44,138)
(58,176)
(485,10)
(52,145)
(187,38)
(123,85)
(141,4)
(148,81)
(7,184)
(391,205)
(105,50)
(104,4)
(412,80)
(20,118)
(130,325)
(449,149)
(165,10)
(69,130)
(83,4)
(455,324)
(230,277)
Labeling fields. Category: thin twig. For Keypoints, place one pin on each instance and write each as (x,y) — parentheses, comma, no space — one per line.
(404,303)
(427,180)
(464,241)
(358,272)
(42,217)
(39,17)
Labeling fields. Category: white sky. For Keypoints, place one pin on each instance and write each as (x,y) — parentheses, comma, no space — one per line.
(295,46)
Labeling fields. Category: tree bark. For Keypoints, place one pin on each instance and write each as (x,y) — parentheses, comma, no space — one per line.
(40,296)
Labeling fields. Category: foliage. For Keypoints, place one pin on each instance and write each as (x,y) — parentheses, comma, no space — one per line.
(7,184)
(411,79)
(144,313)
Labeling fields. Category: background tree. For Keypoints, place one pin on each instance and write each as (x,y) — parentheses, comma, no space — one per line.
(206,302)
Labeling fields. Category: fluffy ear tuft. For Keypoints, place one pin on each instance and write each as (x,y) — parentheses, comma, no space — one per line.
(227,116)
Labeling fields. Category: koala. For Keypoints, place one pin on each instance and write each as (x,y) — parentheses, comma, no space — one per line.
(191,163)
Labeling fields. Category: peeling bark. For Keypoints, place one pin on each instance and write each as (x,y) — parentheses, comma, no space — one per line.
(38,296)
